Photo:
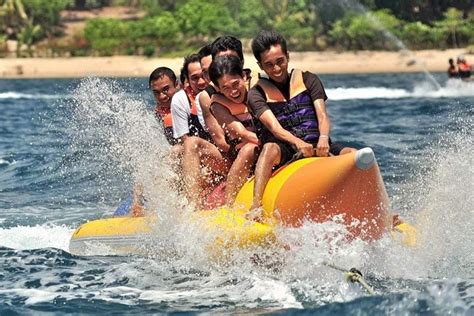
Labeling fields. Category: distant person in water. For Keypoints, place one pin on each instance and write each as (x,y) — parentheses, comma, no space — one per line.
(291,106)
(464,68)
(452,71)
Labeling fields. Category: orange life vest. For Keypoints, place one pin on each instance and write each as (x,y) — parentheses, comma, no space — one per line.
(240,111)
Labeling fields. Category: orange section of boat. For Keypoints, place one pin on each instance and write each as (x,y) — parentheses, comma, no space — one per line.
(318,189)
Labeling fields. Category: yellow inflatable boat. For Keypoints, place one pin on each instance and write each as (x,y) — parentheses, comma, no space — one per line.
(348,188)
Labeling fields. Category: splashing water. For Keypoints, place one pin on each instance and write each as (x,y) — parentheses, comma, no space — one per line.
(121,136)
(361,9)
(112,134)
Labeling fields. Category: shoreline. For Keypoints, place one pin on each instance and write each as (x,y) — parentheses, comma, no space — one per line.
(327,62)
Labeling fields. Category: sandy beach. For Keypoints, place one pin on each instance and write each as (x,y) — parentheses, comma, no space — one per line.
(318,62)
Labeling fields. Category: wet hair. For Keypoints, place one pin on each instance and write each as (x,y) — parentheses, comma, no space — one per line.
(265,40)
(227,42)
(193,58)
(205,51)
(225,65)
(161,72)
(182,77)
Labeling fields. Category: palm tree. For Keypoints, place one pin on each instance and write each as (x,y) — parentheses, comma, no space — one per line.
(12,15)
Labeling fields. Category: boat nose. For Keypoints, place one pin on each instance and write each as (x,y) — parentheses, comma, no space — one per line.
(365,158)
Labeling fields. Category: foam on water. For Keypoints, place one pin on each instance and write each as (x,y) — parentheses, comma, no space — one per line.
(18,95)
(118,134)
(452,88)
(36,237)
(122,137)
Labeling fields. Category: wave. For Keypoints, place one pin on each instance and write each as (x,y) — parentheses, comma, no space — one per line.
(5,162)
(452,88)
(18,95)
(35,237)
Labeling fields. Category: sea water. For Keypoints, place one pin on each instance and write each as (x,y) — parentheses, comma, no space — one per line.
(71,149)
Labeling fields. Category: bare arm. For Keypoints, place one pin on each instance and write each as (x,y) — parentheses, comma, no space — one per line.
(217,133)
(269,120)
(322,148)
(233,125)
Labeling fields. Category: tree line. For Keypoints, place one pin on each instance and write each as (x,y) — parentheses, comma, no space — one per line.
(176,27)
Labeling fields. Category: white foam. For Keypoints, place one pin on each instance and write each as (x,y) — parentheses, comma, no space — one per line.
(452,88)
(34,237)
(33,296)
(366,93)
(18,95)
(6,162)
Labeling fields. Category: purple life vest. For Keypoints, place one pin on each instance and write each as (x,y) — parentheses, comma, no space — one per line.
(297,115)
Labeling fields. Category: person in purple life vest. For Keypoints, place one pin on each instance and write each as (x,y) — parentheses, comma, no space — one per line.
(291,107)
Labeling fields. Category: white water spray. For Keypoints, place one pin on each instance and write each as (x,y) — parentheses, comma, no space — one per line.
(359,8)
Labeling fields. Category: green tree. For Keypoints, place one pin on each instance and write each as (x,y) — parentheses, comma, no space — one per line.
(451,24)
(419,35)
(202,19)
(373,30)
(28,34)
(13,16)
(46,13)
(106,36)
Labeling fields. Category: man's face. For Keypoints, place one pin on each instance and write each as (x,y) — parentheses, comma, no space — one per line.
(233,87)
(195,77)
(275,63)
(163,90)
(205,63)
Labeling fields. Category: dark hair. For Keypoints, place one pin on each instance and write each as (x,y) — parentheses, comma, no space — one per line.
(225,65)
(206,50)
(451,61)
(182,77)
(193,58)
(227,42)
(266,39)
(161,72)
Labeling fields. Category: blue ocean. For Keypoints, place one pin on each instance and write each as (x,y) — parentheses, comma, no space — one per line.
(71,149)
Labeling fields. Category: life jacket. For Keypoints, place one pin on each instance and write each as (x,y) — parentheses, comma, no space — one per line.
(195,127)
(241,112)
(297,115)
(164,116)
(464,70)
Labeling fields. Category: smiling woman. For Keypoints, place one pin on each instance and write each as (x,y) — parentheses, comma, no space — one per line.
(230,109)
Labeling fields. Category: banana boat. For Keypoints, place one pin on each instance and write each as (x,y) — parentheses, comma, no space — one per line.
(347,188)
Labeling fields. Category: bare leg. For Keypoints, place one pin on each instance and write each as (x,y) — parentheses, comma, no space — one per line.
(347,150)
(269,157)
(239,172)
(197,151)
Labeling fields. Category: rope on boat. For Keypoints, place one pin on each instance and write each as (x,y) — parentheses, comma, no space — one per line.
(353,276)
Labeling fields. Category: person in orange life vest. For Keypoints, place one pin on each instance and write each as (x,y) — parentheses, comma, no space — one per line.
(464,69)
(224,45)
(452,71)
(230,45)
(204,101)
(162,82)
(188,127)
(292,109)
(230,109)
